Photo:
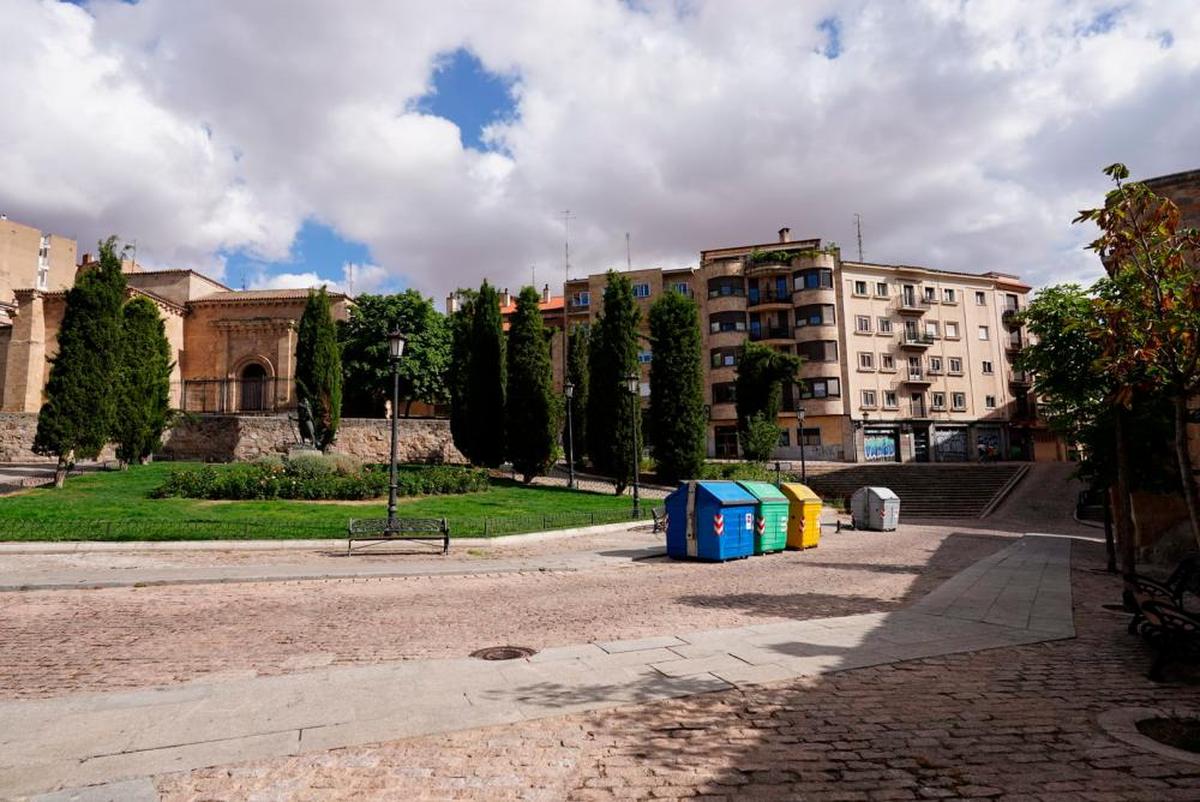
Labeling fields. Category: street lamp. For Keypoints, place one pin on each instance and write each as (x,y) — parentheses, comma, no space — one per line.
(395,352)
(569,392)
(633,385)
(800,433)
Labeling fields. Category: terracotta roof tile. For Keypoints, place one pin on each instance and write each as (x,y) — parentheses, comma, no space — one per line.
(258,295)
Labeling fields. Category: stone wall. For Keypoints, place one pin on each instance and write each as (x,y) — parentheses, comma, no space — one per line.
(225,438)
(17,430)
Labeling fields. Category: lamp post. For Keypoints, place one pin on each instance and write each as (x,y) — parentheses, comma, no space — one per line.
(395,351)
(800,433)
(633,384)
(569,392)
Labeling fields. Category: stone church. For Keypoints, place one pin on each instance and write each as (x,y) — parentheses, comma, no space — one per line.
(234,350)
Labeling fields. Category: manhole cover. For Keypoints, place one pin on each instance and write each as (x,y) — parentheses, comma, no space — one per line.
(504,653)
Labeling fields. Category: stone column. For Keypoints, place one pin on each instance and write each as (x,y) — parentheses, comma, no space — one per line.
(25,368)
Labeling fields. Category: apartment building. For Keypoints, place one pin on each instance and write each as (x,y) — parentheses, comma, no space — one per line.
(30,257)
(900,362)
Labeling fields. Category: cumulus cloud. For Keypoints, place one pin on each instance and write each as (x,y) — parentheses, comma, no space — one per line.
(966,134)
(356,279)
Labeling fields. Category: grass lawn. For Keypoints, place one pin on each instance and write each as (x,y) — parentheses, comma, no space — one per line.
(117,506)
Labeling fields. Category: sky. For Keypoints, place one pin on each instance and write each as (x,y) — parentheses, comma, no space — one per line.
(376,147)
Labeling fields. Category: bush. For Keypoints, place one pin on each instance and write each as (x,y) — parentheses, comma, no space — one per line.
(313,478)
(737,471)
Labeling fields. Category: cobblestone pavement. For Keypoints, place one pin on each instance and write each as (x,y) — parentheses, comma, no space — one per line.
(58,642)
(1014,724)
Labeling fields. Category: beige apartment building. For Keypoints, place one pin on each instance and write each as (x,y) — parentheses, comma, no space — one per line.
(901,363)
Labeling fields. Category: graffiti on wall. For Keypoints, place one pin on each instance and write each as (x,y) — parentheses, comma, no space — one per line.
(879,446)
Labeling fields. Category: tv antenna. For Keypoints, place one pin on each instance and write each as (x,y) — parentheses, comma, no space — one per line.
(858,229)
(628,253)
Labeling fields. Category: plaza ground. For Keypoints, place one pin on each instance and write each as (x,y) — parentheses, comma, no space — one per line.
(1014,722)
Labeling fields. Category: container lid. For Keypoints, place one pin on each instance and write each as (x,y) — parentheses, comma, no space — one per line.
(763,491)
(799,492)
(880,492)
(727,492)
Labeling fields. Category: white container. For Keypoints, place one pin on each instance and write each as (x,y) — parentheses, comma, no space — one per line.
(876,508)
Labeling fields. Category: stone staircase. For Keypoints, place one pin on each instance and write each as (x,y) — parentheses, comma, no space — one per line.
(926,491)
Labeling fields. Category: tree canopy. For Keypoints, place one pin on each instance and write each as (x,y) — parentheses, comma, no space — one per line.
(676,388)
(319,367)
(533,406)
(143,404)
(578,347)
(762,373)
(486,422)
(613,419)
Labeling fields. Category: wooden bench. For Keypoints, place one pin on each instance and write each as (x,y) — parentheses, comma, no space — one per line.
(382,530)
(1174,633)
(660,518)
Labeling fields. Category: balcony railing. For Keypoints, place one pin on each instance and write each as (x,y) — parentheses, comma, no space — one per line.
(242,396)
(916,376)
(914,305)
(770,333)
(916,340)
(769,296)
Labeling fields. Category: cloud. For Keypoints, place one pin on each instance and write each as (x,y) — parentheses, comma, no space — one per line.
(356,279)
(966,134)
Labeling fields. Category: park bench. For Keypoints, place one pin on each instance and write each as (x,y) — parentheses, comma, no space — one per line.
(1174,633)
(1139,590)
(382,530)
(660,518)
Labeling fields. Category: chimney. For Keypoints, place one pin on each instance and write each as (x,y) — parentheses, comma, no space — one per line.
(785,234)
(451,303)
(546,294)
(505,298)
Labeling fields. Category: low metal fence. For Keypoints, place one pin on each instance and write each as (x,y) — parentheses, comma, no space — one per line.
(234,395)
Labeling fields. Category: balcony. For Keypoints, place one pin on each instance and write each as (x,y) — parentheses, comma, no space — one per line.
(1020,379)
(770,297)
(1014,345)
(917,376)
(912,306)
(1009,316)
(915,342)
(771,333)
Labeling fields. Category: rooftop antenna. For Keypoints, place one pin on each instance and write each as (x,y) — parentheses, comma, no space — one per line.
(566,218)
(858,229)
(533,276)
(628,253)
(350,270)
(133,254)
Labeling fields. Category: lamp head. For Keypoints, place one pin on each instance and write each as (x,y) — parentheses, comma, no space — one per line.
(569,390)
(395,345)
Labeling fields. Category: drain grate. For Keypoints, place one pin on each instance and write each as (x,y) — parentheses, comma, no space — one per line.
(504,653)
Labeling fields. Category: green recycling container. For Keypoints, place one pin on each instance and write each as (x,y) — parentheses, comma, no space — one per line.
(771,517)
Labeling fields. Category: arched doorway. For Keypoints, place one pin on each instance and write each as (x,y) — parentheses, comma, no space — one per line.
(253,388)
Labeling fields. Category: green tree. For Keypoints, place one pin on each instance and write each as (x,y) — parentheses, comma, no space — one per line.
(762,373)
(319,367)
(458,378)
(1150,307)
(577,374)
(676,388)
(612,419)
(485,382)
(77,417)
(143,404)
(534,409)
(365,364)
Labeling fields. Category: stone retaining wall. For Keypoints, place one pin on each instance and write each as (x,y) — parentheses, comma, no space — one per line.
(226,438)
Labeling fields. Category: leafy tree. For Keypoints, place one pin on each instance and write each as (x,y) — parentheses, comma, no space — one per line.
(143,404)
(319,367)
(676,388)
(761,374)
(458,379)
(612,419)
(577,374)
(77,417)
(485,382)
(534,409)
(365,363)
(1150,307)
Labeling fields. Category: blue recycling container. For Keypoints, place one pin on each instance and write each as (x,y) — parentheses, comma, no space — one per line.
(724,521)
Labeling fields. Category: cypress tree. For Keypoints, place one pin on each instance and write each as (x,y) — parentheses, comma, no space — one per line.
(612,419)
(577,374)
(77,417)
(461,324)
(761,374)
(144,385)
(676,388)
(485,383)
(319,367)
(533,406)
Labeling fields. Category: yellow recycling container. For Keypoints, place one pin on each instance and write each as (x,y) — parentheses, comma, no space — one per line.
(804,516)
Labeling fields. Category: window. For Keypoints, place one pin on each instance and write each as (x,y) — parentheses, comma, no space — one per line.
(724,393)
(810,437)
(937,400)
(887,362)
(987,367)
(980,297)
(956,365)
(818,351)
(881,289)
(682,288)
(814,315)
(951,330)
(862,324)
(725,357)
(983,333)
(949,296)
(641,290)
(818,278)
(821,388)
(866,360)
(931,329)
(43,266)
(860,288)
(727,321)
(868,398)
(644,358)
(960,400)
(885,325)
(935,364)
(726,286)
(930,294)
(785,438)
(582,298)
(889,399)
(989,401)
